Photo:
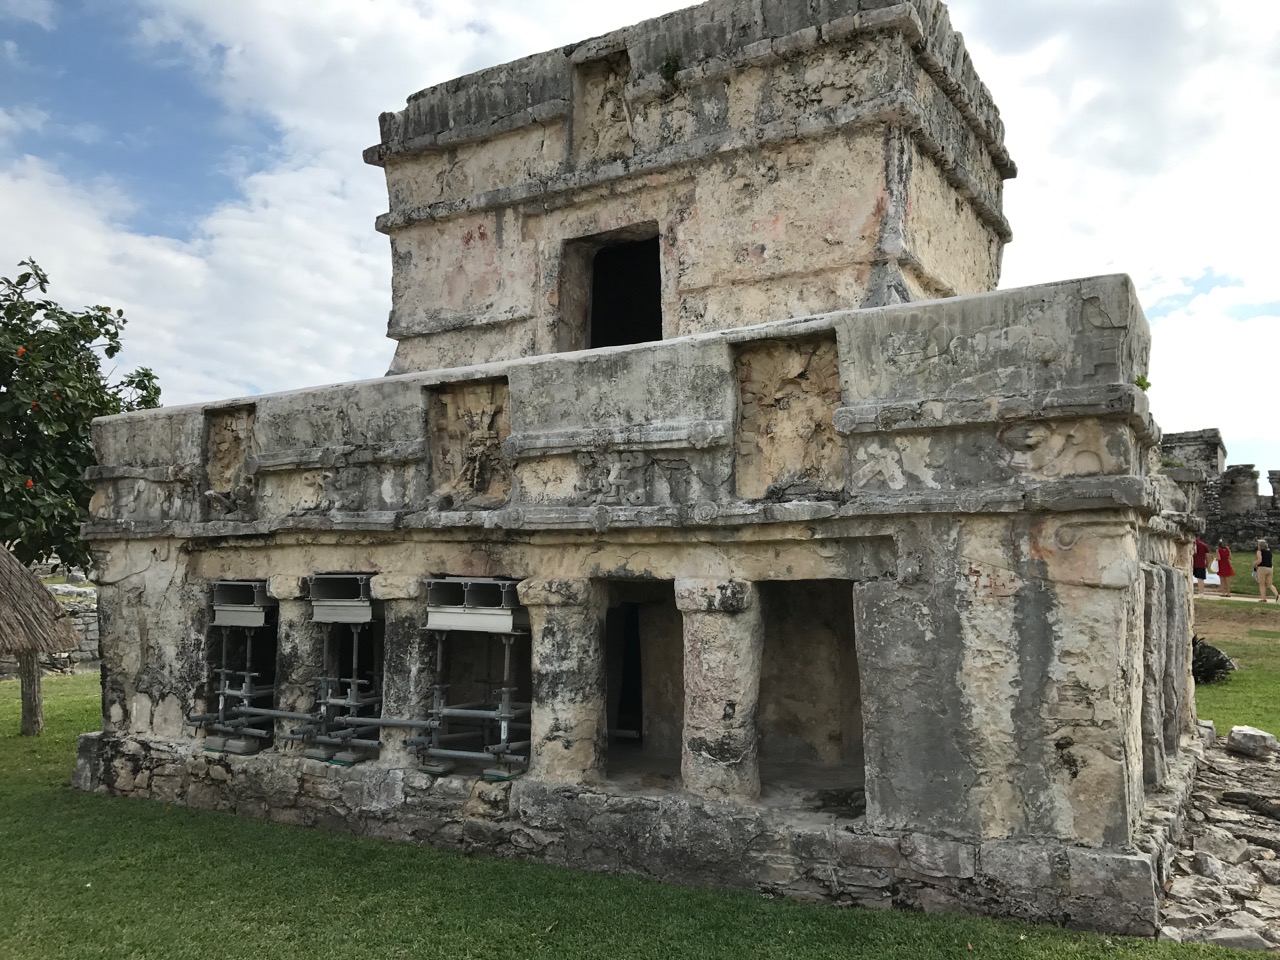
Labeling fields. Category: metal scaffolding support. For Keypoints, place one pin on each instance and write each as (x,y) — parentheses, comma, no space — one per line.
(345,725)
(493,720)
(344,706)
(237,692)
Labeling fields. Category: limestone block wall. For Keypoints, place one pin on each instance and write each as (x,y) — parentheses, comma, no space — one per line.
(84,617)
(1231,506)
(988,705)
(791,158)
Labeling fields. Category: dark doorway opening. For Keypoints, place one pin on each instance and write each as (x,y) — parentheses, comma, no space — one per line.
(810,720)
(644,682)
(626,294)
(626,677)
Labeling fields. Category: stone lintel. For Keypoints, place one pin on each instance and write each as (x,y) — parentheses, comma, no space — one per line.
(556,593)
(715,596)
(281,587)
(388,587)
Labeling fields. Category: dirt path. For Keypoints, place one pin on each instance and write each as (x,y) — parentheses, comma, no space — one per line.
(1232,618)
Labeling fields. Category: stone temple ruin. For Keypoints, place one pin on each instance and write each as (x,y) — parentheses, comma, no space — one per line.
(716,521)
(1230,504)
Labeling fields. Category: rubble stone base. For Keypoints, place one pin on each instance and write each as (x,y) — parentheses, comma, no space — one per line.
(669,835)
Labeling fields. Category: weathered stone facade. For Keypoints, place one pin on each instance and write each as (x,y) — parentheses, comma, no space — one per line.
(881,605)
(705,129)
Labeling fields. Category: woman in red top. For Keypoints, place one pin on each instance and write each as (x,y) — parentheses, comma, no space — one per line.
(1225,570)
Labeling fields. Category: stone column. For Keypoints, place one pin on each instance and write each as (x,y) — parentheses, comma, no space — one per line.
(570,726)
(409,670)
(299,656)
(723,646)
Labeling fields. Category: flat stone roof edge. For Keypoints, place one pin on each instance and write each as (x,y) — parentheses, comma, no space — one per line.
(788,327)
(448,118)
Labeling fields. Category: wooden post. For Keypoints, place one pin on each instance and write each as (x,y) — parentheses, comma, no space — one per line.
(32,708)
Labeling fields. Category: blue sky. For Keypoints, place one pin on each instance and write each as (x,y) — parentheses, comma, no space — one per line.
(198,164)
(138,115)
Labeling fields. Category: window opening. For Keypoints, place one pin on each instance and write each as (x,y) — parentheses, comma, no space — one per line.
(345,728)
(242,669)
(626,294)
(481,701)
(611,288)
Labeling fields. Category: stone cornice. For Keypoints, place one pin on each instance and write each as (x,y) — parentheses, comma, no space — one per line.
(938,49)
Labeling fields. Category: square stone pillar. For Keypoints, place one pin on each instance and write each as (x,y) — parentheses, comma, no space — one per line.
(409,670)
(723,648)
(570,726)
(299,662)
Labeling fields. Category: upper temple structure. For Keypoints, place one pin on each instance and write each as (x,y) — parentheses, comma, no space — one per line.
(716,520)
(728,164)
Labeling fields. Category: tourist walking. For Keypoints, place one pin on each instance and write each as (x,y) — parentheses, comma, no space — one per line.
(1199,563)
(1262,570)
(1225,570)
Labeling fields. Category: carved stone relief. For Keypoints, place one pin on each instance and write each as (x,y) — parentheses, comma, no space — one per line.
(231,486)
(1115,348)
(786,441)
(466,426)
(602,128)
(633,478)
(1051,451)
(878,462)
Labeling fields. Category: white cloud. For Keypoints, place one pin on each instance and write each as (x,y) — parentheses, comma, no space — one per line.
(18,120)
(289,285)
(33,11)
(270,294)
(1140,134)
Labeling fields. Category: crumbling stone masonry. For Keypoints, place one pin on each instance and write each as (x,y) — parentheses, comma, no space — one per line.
(716,523)
(1230,505)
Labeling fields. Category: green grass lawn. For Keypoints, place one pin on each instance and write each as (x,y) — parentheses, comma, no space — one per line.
(1251,637)
(94,876)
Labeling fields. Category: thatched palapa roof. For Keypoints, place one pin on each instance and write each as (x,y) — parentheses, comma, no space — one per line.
(31,620)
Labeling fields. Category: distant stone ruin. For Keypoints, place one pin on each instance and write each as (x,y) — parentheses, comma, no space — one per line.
(717,521)
(1231,506)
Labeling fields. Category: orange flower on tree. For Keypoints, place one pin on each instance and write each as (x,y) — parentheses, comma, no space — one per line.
(30,483)
(21,351)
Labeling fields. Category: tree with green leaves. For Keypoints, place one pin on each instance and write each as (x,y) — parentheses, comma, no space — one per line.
(52,385)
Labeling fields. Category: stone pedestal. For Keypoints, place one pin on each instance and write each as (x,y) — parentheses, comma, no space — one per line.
(570,728)
(723,645)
